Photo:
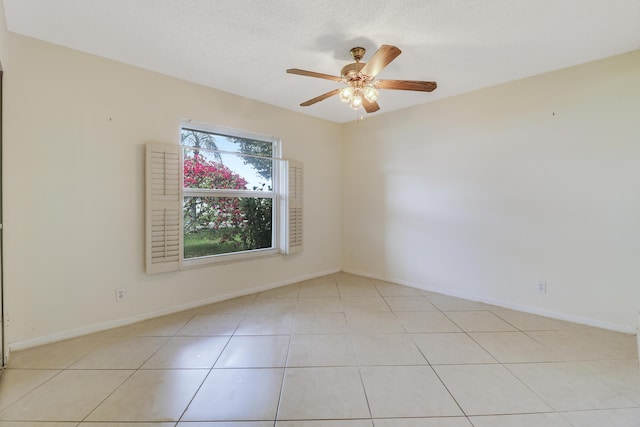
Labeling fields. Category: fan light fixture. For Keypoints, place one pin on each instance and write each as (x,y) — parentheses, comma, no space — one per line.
(353,95)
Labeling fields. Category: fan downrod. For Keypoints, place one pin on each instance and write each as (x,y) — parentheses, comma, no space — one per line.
(350,72)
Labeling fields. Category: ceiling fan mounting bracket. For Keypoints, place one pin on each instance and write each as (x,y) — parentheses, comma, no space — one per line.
(357,53)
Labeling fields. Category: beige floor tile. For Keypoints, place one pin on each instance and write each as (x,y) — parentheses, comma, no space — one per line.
(357,289)
(288,291)
(267,351)
(632,394)
(238,305)
(451,349)
(266,324)
(69,396)
(564,343)
(343,278)
(387,289)
(412,303)
(514,347)
(374,304)
(237,394)
(188,353)
(424,422)
(608,418)
(325,423)
(406,391)
(90,424)
(227,424)
(525,420)
(319,288)
(121,353)
(479,321)
(391,349)
(322,280)
(582,343)
(165,326)
(211,324)
(322,393)
(374,323)
(273,306)
(320,323)
(16,383)
(58,355)
(321,350)
(618,369)
(621,375)
(449,303)
(31,424)
(320,305)
(489,390)
(154,395)
(354,349)
(569,386)
(426,321)
(530,322)
(434,295)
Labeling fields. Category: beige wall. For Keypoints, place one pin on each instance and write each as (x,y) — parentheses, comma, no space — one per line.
(486,194)
(482,195)
(75,128)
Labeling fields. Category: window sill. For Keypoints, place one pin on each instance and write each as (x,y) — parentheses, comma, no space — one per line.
(229,258)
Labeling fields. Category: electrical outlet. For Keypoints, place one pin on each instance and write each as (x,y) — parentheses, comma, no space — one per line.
(120,295)
(542,287)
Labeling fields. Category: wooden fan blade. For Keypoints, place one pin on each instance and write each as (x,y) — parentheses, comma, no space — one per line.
(406,85)
(380,59)
(320,98)
(370,107)
(314,74)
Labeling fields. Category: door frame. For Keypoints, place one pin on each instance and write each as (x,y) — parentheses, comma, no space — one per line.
(3,359)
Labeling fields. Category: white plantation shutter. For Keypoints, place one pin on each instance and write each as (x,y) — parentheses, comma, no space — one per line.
(163,207)
(293,229)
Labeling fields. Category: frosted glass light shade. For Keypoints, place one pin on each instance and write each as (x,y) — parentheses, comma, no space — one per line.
(346,94)
(370,94)
(356,102)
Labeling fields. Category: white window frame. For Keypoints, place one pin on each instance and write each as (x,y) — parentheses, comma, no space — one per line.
(274,194)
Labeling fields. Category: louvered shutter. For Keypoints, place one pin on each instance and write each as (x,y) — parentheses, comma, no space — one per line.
(294,207)
(163,207)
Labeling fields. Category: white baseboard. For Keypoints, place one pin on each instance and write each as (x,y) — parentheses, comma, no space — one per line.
(99,327)
(103,326)
(626,329)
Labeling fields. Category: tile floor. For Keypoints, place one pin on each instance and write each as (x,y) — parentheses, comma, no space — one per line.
(338,351)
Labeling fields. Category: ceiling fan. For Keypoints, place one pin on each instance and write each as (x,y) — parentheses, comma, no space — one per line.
(362,88)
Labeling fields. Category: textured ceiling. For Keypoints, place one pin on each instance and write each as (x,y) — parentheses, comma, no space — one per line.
(245,46)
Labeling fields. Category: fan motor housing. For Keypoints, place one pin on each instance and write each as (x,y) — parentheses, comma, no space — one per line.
(352,71)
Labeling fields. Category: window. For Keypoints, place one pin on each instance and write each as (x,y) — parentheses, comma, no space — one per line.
(229,203)
(221,195)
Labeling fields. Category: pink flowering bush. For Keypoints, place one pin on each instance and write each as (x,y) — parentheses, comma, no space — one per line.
(214,213)
(202,173)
